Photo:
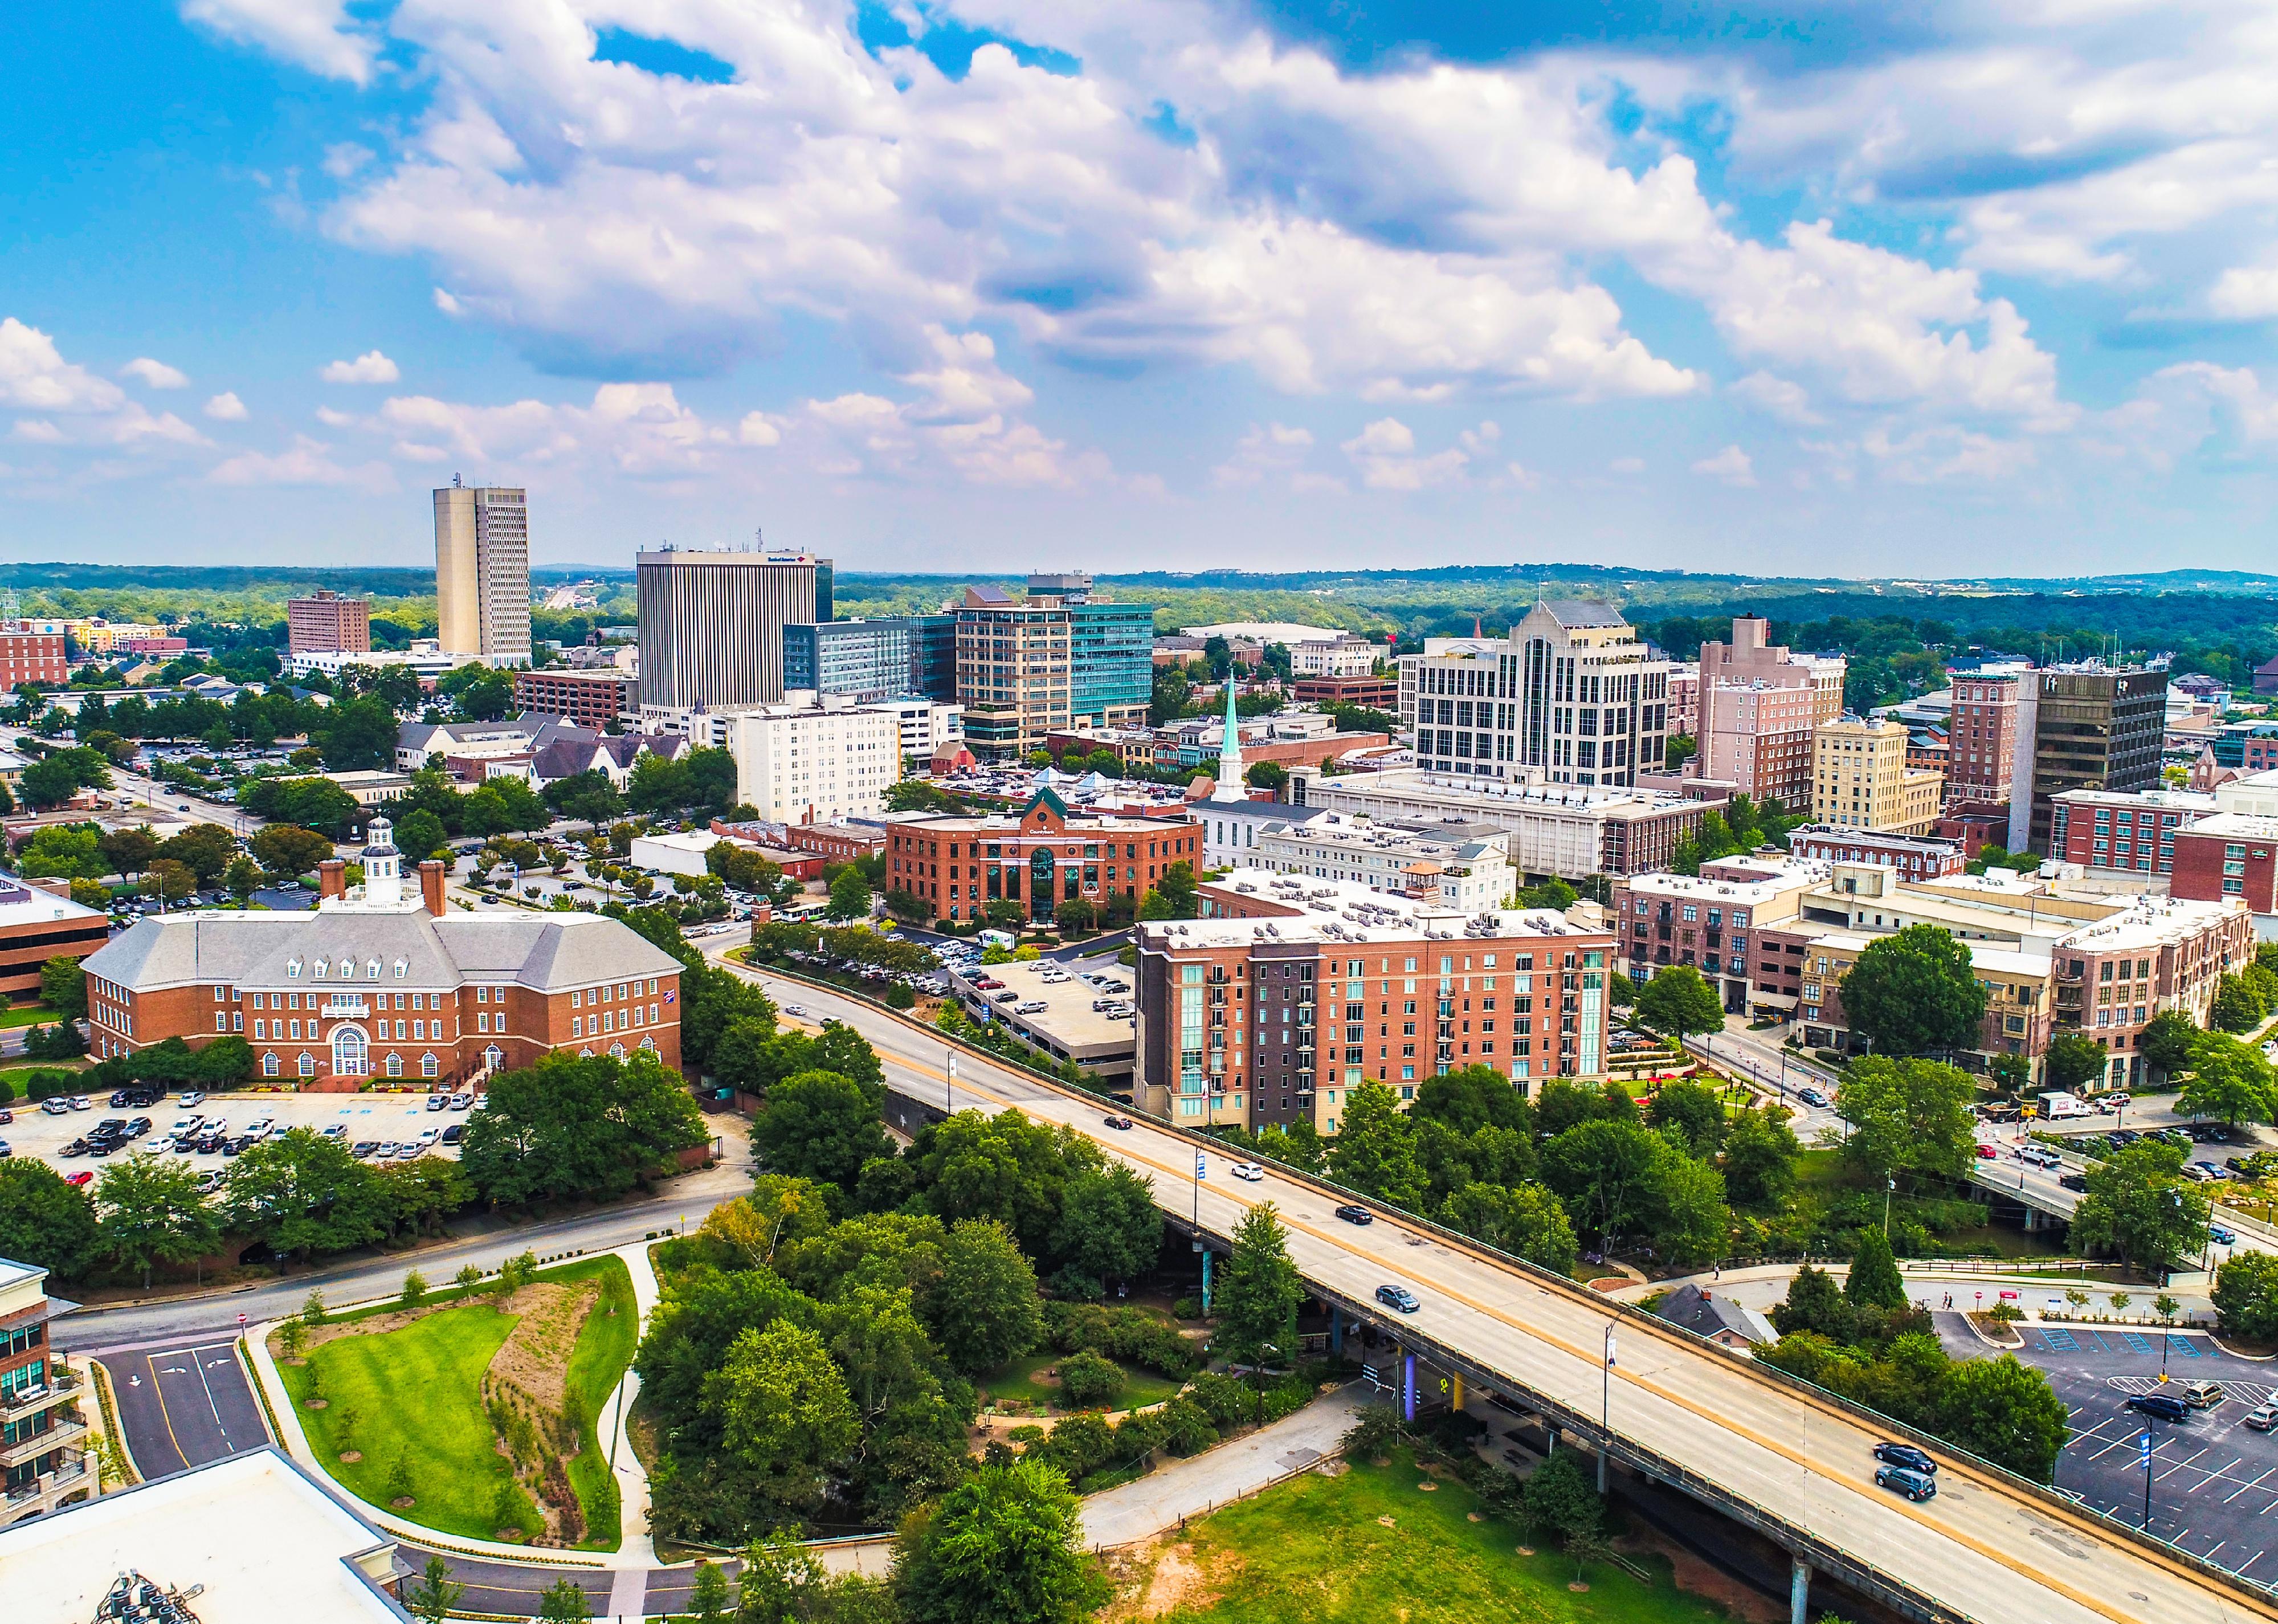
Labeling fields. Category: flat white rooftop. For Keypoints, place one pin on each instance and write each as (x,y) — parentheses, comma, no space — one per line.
(265,1542)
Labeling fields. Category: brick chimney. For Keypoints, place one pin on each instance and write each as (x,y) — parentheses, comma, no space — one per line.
(430,886)
(331,878)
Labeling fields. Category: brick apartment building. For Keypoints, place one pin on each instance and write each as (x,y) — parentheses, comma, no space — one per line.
(1290,992)
(1915,856)
(1044,855)
(590,699)
(43,1432)
(1983,738)
(1370,692)
(326,623)
(387,982)
(36,925)
(32,651)
(2119,831)
(2229,854)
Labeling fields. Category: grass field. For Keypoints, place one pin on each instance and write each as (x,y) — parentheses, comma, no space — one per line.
(1019,1380)
(1313,1551)
(418,1392)
(29,1014)
(1825,1175)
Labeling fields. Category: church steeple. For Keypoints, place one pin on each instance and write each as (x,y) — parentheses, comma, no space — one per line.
(1229,750)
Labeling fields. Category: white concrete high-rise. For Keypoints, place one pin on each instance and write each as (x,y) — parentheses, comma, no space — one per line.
(482,573)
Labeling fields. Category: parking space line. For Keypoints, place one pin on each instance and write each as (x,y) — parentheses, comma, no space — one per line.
(2242,1487)
(2136,1341)
(2098,1337)
(2250,1562)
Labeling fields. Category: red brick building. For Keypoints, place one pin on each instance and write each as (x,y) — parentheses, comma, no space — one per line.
(1915,857)
(2131,832)
(1982,742)
(1041,857)
(36,925)
(326,623)
(32,651)
(381,984)
(2229,854)
(589,699)
(1370,692)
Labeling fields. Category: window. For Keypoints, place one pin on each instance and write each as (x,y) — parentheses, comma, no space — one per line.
(307,1065)
(429,1066)
(394,1065)
(269,1065)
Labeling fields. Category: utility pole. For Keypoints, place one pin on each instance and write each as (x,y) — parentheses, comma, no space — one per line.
(1888,1185)
(949,1087)
(1606,1410)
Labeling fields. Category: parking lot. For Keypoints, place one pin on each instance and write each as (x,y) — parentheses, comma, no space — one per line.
(375,1119)
(2214,1483)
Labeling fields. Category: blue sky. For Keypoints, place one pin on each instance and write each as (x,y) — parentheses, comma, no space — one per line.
(1292,282)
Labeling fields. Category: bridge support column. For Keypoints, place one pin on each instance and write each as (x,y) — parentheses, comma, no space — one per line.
(1206,1258)
(1336,1329)
(1799,1592)
(1408,1387)
(2032,1220)
(1455,1390)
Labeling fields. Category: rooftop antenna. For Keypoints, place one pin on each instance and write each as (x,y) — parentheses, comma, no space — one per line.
(454,482)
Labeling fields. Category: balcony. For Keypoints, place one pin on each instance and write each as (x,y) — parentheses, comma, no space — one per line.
(67,1430)
(58,1384)
(71,1477)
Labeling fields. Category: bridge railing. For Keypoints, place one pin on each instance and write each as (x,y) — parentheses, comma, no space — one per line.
(2060,1504)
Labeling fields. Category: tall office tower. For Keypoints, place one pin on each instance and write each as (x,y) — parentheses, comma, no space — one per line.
(2094,726)
(482,573)
(1572,697)
(868,660)
(1759,705)
(712,623)
(1053,661)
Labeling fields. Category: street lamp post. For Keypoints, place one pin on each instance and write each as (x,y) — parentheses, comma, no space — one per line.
(1888,1185)
(2146,1445)
(1606,1410)
(949,1087)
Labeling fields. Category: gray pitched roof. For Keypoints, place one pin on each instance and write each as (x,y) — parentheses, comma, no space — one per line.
(1708,1313)
(546,953)
(1585,612)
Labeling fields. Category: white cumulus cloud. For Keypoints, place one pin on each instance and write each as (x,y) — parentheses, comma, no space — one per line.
(1732,465)
(226,407)
(371,367)
(157,374)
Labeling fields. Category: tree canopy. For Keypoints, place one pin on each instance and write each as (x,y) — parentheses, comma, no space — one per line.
(1915,992)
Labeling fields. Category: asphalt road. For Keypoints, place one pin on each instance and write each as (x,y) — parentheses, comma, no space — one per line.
(186,1404)
(2213,1481)
(1981,1549)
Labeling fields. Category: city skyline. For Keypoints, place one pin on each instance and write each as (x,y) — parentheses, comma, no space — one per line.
(1216,281)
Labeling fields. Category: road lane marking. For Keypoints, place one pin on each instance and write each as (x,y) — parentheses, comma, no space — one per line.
(1178,1173)
(158,1392)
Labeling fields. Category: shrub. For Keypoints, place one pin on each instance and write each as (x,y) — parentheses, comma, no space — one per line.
(1186,1431)
(1188,1308)
(1086,1379)
(48,1084)
(1078,1446)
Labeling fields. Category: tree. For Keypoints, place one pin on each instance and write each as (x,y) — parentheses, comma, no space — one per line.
(288,852)
(587,797)
(1913,992)
(431,1600)
(2003,1412)
(1692,1112)
(168,881)
(1815,1304)
(1375,1148)
(1559,1498)
(1177,888)
(204,849)
(1607,1174)
(2168,1040)
(63,988)
(45,1222)
(708,1595)
(1908,1115)
(1110,1226)
(2071,1060)
(504,806)
(1076,917)
(419,835)
(356,735)
(1761,1152)
(2229,1080)
(741,867)
(304,1195)
(1678,1003)
(582,1126)
(2234,1008)
(1005,1546)
(1526,1220)
(2246,1295)
(849,895)
(1554,894)
(2139,1204)
(243,879)
(988,1312)
(129,851)
(1470,1098)
(414,1291)
(317,804)
(784,1410)
(1258,1293)
(820,1125)
(563,1602)
(153,1213)
(1875,1282)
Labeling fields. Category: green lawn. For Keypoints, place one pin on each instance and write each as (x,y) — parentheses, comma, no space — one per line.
(1312,1552)
(1018,1380)
(418,1392)
(31,1014)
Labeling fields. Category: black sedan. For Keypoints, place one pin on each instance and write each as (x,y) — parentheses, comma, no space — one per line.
(1907,1456)
(1121,1124)
(1352,1213)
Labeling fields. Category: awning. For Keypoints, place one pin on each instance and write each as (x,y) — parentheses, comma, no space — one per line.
(1776,1000)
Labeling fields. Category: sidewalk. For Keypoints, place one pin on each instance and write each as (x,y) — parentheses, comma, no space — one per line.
(634,1545)
(1171,1493)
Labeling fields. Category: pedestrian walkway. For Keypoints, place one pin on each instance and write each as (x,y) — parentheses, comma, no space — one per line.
(1173,1492)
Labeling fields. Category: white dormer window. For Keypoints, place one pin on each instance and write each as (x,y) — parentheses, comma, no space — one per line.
(293,969)
(371,970)
(318,972)
(402,968)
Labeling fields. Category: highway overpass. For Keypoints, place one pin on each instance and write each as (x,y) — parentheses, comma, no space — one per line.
(1788,1462)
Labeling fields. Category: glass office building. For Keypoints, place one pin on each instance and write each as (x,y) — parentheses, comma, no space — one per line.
(885,658)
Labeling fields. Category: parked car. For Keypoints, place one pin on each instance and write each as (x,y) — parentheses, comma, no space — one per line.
(2261,1418)
(2161,1406)
(455,1132)
(439,1102)
(77,1147)
(460,1102)
(2203,1395)
(193,1098)
(365,1147)
(79,1180)
(1907,1456)
(1352,1213)
(1397,1297)
(55,1107)
(1900,1480)
(336,1130)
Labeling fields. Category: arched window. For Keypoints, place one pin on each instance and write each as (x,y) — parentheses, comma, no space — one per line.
(351,1053)
(616,1050)
(494,1057)
(394,1064)
(307,1064)
(649,1044)
(269,1065)
(429,1066)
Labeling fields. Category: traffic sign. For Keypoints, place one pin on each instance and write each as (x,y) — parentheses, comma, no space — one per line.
(1202,1167)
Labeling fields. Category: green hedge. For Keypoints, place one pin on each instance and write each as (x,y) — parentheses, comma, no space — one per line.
(1131,1335)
